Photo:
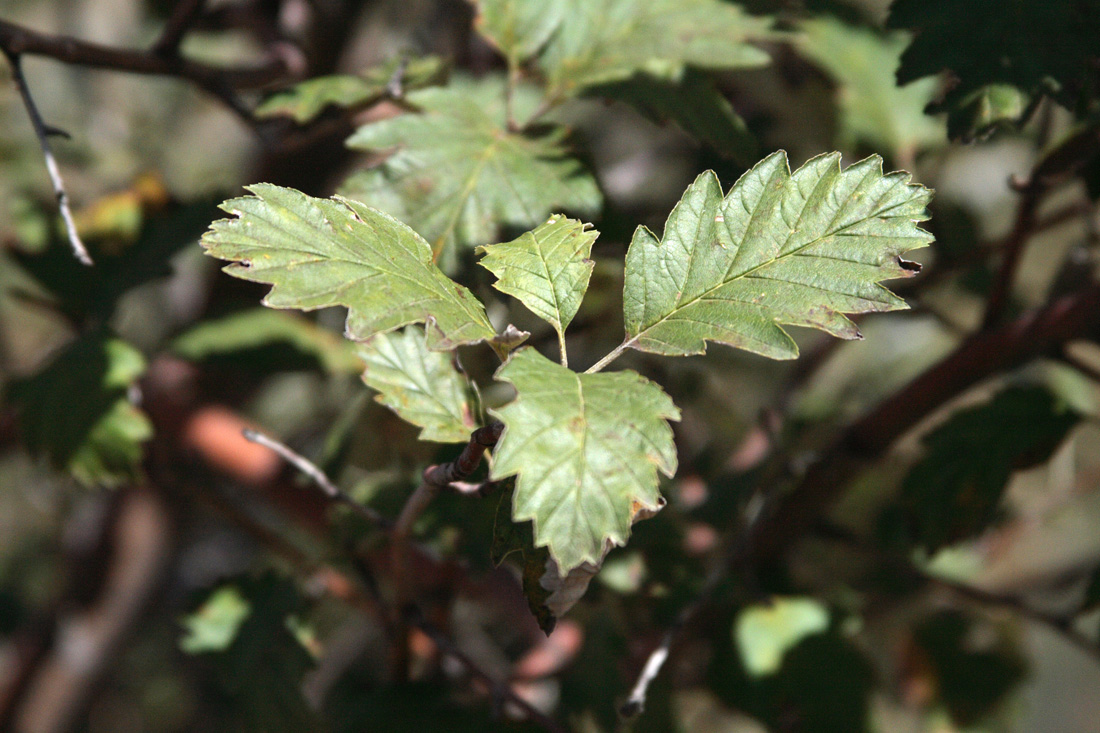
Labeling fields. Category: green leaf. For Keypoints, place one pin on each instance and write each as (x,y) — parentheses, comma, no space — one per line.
(318,253)
(765,633)
(77,411)
(257,328)
(779,249)
(586,449)
(214,626)
(956,489)
(510,537)
(421,386)
(459,174)
(546,269)
(694,103)
(1037,46)
(601,42)
(308,99)
(874,110)
(518,28)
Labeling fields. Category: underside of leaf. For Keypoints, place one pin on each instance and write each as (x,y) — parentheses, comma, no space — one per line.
(780,249)
(317,253)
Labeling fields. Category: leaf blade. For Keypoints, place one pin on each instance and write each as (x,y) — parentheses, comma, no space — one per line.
(734,269)
(423,387)
(612,430)
(547,269)
(317,253)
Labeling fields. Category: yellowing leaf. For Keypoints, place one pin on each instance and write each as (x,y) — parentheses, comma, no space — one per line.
(547,269)
(317,253)
(585,449)
(779,249)
(421,386)
(458,174)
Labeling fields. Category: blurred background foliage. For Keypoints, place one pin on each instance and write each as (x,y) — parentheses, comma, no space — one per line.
(159,573)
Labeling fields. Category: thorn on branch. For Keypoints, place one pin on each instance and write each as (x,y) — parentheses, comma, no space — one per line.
(43,132)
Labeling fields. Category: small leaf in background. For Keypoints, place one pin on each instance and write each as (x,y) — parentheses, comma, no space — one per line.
(214,626)
(317,253)
(765,633)
(1037,46)
(458,174)
(955,491)
(77,411)
(546,269)
(779,249)
(423,387)
(610,41)
(973,669)
(692,101)
(257,329)
(874,110)
(586,449)
(306,100)
(262,664)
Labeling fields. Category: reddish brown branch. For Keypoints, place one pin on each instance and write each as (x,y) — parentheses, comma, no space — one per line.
(1037,334)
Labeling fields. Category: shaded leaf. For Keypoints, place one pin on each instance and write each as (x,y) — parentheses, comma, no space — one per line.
(970,682)
(874,110)
(421,386)
(516,537)
(317,253)
(257,328)
(609,41)
(262,666)
(308,99)
(955,491)
(1036,46)
(779,249)
(458,174)
(585,449)
(547,269)
(77,411)
(693,102)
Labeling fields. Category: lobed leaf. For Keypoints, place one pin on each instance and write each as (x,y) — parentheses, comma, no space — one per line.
(780,249)
(601,42)
(1037,46)
(518,28)
(421,386)
(77,411)
(317,253)
(459,174)
(547,269)
(585,450)
(874,110)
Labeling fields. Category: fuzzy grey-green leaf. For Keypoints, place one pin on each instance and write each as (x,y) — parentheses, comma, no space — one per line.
(780,249)
(547,269)
(585,449)
(421,386)
(317,253)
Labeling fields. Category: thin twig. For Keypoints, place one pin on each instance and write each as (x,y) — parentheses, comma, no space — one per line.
(500,690)
(316,474)
(43,132)
(15,41)
(1022,230)
(184,15)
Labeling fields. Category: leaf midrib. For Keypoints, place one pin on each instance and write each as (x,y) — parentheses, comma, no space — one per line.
(726,281)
